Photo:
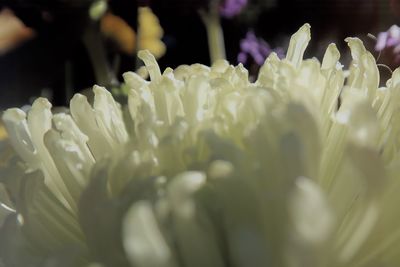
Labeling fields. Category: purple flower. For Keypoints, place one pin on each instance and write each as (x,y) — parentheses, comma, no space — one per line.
(390,38)
(257,49)
(231,8)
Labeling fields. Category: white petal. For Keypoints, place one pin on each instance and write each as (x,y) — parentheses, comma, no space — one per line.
(298,44)
(151,64)
(312,218)
(142,239)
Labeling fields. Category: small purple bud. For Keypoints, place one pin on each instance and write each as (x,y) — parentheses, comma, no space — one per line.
(390,38)
(242,58)
(231,8)
(257,49)
(381,41)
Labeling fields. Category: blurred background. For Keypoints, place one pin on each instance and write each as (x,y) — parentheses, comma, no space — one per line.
(54,48)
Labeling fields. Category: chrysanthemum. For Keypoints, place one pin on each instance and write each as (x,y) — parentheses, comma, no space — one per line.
(204,168)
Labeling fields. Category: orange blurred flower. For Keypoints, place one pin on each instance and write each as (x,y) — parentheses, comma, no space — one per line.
(150,32)
(12,31)
(119,31)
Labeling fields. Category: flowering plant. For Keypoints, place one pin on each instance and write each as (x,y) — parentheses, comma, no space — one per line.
(230,8)
(204,168)
(256,49)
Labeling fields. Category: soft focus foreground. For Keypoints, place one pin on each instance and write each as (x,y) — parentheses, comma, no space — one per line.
(204,168)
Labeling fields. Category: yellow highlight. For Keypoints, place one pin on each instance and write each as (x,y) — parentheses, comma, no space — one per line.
(3,133)
(150,32)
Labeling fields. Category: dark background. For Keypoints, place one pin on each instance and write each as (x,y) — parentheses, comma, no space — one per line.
(41,63)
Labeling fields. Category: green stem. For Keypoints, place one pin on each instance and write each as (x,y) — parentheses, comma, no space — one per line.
(97,53)
(215,33)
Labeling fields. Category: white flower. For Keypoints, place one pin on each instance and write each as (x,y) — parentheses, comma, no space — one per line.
(204,168)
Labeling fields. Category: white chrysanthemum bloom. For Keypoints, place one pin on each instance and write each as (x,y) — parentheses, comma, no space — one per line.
(204,168)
